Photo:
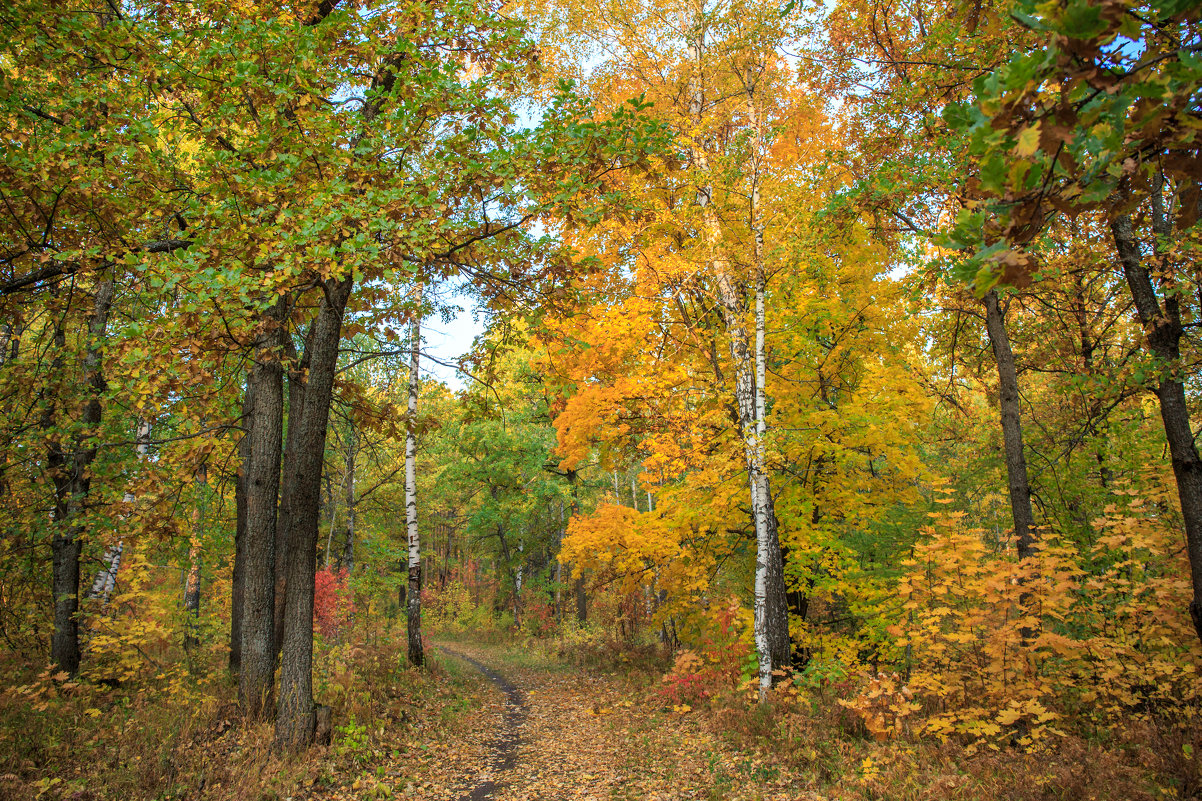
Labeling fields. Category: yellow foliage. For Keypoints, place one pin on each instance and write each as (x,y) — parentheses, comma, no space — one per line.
(999,649)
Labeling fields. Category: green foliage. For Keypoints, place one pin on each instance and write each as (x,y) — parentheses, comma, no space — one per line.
(1087,119)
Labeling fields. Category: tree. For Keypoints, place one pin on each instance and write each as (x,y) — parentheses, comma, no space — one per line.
(414,572)
(1086,122)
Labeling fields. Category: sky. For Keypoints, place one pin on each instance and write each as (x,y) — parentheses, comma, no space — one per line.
(448,341)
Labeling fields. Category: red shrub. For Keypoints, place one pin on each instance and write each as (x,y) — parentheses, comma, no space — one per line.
(333,605)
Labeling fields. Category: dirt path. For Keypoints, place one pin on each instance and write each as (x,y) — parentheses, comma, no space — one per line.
(504,750)
(567,733)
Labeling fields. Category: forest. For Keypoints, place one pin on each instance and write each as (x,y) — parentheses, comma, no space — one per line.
(827,431)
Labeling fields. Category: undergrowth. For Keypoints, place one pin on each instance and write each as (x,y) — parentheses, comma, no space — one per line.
(179,735)
(817,734)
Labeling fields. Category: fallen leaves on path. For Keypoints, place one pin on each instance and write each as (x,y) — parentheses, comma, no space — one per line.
(583,735)
(591,736)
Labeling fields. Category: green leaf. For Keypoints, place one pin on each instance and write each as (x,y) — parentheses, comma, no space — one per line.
(1082,20)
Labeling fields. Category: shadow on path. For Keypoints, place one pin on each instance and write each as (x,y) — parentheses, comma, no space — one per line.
(504,750)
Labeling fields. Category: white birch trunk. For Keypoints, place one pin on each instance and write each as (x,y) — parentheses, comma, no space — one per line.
(105,580)
(330,534)
(517,583)
(414,602)
(771,616)
(760,492)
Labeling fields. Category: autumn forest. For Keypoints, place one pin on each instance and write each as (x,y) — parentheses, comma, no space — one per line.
(821,421)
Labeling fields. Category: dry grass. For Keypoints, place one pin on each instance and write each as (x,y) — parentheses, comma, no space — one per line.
(183,737)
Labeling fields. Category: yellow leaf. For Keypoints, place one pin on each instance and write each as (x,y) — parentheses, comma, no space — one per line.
(1008,716)
(1028,141)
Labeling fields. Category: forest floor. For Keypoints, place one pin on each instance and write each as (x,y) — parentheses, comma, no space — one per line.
(536,728)
(507,719)
(585,734)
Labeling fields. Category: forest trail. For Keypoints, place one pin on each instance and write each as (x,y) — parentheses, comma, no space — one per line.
(504,753)
(559,732)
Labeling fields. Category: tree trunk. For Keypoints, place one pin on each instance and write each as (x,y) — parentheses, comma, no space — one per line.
(581,592)
(579,586)
(777,606)
(771,611)
(1025,534)
(237,580)
(298,376)
(105,580)
(192,584)
(1163,328)
(517,583)
(256,677)
(348,547)
(515,571)
(70,473)
(295,720)
(414,610)
(559,568)
(330,508)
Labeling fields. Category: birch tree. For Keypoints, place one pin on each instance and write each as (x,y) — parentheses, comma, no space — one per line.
(413,610)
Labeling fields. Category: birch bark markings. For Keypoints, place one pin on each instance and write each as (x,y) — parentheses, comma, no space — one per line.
(105,580)
(771,612)
(414,594)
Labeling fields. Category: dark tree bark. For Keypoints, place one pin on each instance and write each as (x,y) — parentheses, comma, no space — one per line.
(295,718)
(1162,325)
(192,583)
(578,587)
(297,373)
(239,570)
(70,472)
(1025,533)
(515,573)
(256,677)
(558,576)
